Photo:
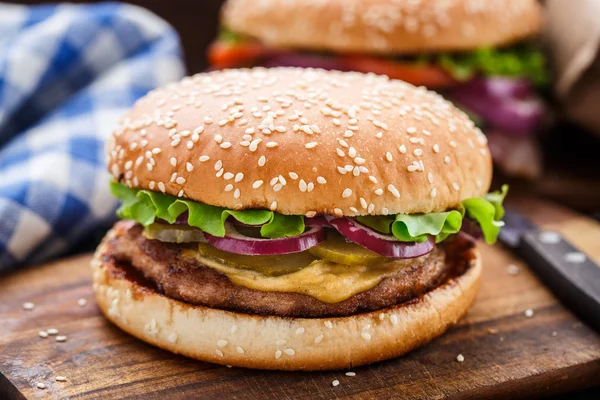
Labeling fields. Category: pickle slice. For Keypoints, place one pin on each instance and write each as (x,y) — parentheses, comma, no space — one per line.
(276,265)
(173,233)
(336,249)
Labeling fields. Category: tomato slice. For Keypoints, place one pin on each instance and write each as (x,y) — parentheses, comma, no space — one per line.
(428,75)
(223,54)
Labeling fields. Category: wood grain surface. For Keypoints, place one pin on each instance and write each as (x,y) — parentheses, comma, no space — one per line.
(505,353)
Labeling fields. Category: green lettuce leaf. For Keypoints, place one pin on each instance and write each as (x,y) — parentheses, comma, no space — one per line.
(519,61)
(487,212)
(416,227)
(145,206)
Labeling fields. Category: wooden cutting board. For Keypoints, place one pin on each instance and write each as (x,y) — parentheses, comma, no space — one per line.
(505,353)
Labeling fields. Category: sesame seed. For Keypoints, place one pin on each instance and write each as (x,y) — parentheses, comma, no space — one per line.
(238,177)
(277,187)
(418,152)
(452,143)
(352,152)
(447,159)
(278,354)
(321,180)
(240,350)
(236,194)
(310,214)
(173,161)
(61,338)
(40,385)
(529,313)
(411,129)
(335,383)
(338,212)
(379,192)
(347,193)
(156,150)
(273,206)
(227,176)
(300,331)
(310,186)
(460,358)
(225,145)
(219,353)
(328,324)
(340,152)
(343,143)
(189,167)
(430,177)
(318,339)
(311,145)
(43,334)
(28,306)
(388,156)
(512,269)
(228,188)
(359,160)
(393,191)
(342,170)
(180,180)
(394,319)
(436,148)
(363,203)
(61,378)
(261,161)
(302,185)
(371,208)
(257,184)
(289,352)
(222,343)
(433,193)
(402,149)
(348,134)
(203,158)
(52,331)
(162,187)
(271,144)
(293,175)
(82,302)
(254,144)
(455,186)
(372,179)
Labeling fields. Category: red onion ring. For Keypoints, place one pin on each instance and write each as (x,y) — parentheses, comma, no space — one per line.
(503,103)
(235,242)
(385,245)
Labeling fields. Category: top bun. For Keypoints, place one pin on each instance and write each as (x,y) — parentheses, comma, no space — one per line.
(302,141)
(384,26)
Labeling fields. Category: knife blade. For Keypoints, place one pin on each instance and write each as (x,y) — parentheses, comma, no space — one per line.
(569,273)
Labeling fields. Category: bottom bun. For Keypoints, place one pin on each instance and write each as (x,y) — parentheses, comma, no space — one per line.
(278,343)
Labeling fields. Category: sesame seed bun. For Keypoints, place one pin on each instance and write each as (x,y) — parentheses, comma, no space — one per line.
(384,26)
(272,342)
(302,142)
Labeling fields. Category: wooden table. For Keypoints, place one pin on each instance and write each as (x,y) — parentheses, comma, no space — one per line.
(505,353)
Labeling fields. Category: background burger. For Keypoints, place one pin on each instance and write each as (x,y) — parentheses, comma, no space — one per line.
(294,219)
(477,52)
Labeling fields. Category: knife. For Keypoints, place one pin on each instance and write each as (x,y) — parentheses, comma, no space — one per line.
(571,275)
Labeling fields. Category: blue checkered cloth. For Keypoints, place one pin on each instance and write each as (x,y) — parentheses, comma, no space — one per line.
(67,74)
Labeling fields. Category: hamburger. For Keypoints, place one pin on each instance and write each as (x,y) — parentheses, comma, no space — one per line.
(479,53)
(294,219)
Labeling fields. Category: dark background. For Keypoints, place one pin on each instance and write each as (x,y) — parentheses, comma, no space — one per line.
(572,159)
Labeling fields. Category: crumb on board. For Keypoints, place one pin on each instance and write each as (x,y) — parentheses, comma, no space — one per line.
(460,358)
(529,313)
(335,383)
(28,306)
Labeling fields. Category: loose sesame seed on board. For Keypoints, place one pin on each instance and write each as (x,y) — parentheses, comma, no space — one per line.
(263,116)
